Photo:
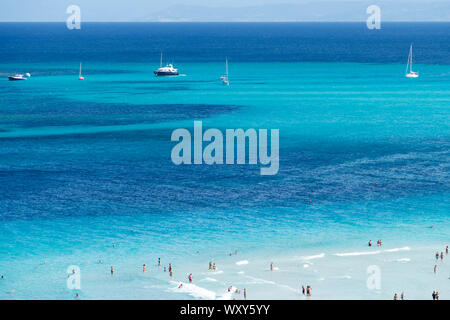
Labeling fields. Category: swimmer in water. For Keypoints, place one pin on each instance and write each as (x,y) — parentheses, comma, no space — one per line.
(180,286)
(370,243)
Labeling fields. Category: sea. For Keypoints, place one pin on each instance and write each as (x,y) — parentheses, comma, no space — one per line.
(87,181)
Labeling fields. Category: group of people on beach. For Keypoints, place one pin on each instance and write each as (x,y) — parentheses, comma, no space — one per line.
(212,266)
(308,291)
(402,296)
(379,243)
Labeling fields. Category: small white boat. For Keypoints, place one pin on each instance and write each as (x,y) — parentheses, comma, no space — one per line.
(409,73)
(80,77)
(224,78)
(17,77)
(168,70)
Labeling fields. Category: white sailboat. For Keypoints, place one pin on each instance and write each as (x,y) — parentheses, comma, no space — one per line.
(80,77)
(409,71)
(224,78)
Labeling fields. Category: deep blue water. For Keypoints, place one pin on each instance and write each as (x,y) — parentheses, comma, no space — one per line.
(251,42)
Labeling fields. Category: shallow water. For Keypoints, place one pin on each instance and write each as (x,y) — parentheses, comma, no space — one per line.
(364,154)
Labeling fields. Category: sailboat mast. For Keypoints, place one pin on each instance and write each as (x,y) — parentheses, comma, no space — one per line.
(160,61)
(411,59)
(80,69)
(226,66)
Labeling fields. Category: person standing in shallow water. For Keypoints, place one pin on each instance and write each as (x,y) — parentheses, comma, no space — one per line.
(245,294)
(112,270)
(402,296)
(190,277)
(308,291)
(144,268)
(395,297)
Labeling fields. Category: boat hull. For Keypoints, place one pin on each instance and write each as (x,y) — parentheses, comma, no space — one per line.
(16,79)
(165,74)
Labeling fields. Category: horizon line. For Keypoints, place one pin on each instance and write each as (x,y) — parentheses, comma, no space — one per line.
(243,21)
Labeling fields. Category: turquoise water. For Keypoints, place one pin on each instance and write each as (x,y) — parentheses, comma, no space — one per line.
(86,164)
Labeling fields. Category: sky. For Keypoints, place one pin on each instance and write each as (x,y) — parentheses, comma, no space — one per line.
(229,10)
